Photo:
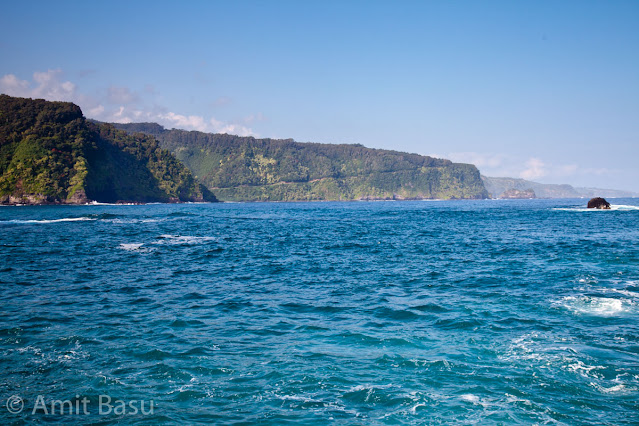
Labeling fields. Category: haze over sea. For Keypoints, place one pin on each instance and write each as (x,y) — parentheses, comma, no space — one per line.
(364,313)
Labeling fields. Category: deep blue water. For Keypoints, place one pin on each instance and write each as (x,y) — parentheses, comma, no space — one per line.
(348,313)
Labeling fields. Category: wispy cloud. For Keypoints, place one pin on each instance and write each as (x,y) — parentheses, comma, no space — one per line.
(118,104)
(535,169)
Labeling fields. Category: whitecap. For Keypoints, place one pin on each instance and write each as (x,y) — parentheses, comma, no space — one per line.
(623,207)
(584,370)
(469,397)
(182,239)
(414,408)
(476,400)
(368,387)
(125,221)
(613,207)
(133,247)
(576,209)
(298,398)
(590,305)
(38,221)
(619,388)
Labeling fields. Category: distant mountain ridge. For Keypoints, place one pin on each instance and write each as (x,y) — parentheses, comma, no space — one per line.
(50,154)
(498,185)
(248,169)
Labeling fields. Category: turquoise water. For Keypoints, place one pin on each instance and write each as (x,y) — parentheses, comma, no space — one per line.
(302,313)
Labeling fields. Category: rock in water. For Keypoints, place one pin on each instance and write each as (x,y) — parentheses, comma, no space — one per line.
(598,203)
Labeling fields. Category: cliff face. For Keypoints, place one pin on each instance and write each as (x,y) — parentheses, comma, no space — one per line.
(50,154)
(248,169)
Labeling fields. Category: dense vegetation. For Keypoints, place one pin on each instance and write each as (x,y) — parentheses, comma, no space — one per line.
(248,169)
(49,153)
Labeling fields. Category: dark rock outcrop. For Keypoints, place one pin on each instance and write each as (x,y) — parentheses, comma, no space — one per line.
(598,203)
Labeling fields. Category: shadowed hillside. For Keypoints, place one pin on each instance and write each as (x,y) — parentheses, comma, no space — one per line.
(49,153)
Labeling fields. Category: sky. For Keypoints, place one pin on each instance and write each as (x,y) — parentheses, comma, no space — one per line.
(542,90)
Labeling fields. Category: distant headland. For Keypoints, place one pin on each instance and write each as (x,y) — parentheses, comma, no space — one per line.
(497,186)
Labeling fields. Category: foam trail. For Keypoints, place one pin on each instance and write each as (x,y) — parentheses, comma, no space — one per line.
(67,219)
(182,239)
(623,207)
(613,207)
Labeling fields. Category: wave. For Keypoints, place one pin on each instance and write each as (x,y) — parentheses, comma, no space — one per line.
(623,207)
(131,246)
(182,239)
(616,389)
(96,203)
(598,306)
(103,217)
(125,221)
(41,221)
(613,207)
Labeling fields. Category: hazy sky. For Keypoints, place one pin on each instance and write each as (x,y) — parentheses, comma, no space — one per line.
(545,90)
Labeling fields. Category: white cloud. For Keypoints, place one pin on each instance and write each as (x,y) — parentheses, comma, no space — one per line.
(535,169)
(50,87)
(47,85)
(118,104)
(12,85)
(120,116)
(191,122)
(234,129)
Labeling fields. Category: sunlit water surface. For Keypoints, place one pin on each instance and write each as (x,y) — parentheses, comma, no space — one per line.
(346,313)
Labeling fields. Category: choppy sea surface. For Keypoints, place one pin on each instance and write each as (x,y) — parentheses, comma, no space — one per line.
(472,312)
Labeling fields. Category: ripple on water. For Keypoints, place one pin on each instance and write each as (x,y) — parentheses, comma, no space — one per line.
(481,312)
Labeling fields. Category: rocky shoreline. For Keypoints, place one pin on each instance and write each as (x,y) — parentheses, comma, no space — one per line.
(78,199)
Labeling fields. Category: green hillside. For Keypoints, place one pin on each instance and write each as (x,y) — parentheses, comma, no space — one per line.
(247,169)
(49,153)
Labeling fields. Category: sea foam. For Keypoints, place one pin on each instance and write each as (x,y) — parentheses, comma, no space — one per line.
(613,207)
(41,221)
(131,246)
(590,305)
(182,239)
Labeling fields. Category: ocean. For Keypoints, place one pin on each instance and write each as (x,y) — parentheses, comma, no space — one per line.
(354,313)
